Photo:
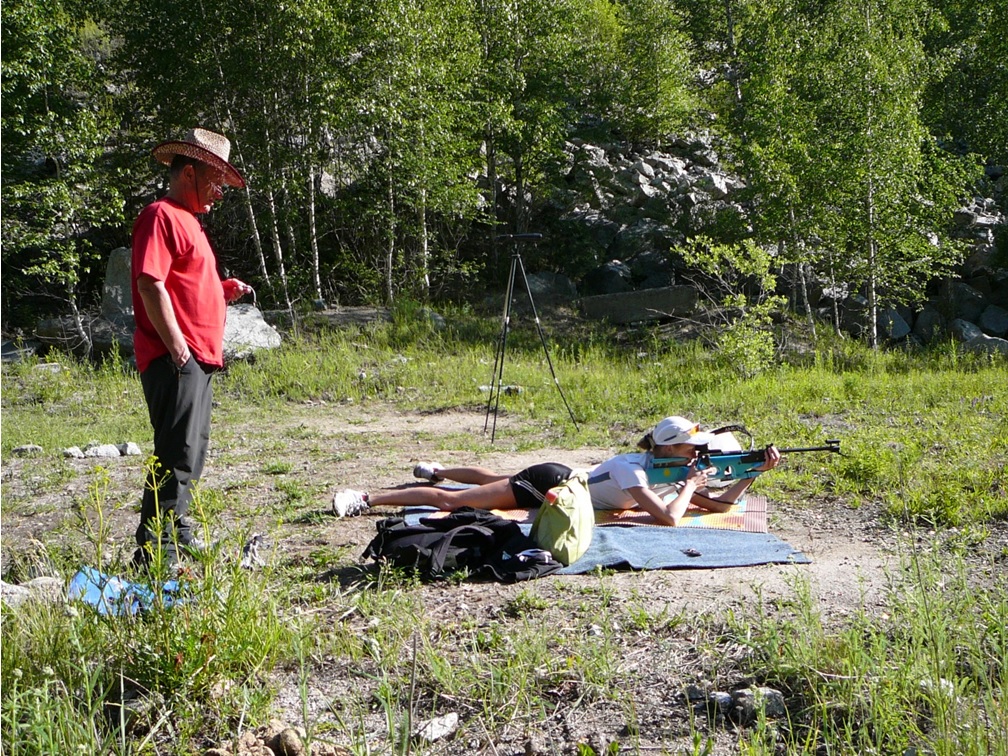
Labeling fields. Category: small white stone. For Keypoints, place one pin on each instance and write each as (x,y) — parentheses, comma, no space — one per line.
(103,451)
(437,728)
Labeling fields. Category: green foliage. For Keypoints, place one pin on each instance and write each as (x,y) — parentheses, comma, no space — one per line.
(378,139)
(742,282)
(874,142)
(56,125)
(635,68)
(969,95)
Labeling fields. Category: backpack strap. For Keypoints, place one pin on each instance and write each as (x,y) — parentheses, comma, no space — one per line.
(444,545)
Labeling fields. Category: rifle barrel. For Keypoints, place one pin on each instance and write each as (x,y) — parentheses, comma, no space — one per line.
(831,446)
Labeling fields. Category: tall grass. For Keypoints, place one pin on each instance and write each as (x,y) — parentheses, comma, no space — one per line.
(928,674)
(76,680)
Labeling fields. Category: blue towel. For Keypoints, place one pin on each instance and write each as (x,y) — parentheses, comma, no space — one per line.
(644,547)
(655,547)
(115,596)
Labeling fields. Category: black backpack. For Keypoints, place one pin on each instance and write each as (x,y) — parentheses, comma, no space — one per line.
(480,542)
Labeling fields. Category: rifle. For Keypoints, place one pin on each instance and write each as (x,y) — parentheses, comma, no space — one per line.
(725,466)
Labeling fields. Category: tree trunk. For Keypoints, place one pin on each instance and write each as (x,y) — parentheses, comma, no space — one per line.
(291,244)
(491,151)
(313,233)
(836,307)
(870,208)
(390,252)
(736,74)
(78,320)
(521,221)
(803,269)
(424,245)
(278,249)
(246,194)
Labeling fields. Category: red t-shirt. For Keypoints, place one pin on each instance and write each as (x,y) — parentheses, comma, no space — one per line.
(170,246)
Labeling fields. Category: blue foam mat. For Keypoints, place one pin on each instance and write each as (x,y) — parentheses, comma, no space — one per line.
(648,547)
(643,547)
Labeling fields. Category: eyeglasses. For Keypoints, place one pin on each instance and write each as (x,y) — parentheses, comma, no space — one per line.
(212,176)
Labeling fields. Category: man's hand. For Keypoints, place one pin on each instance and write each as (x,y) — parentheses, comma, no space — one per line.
(235,289)
(181,356)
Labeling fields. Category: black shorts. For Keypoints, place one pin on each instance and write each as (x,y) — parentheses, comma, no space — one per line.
(531,484)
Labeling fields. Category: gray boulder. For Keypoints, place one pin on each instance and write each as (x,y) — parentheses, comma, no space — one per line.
(960,300)
(749,702)
(929,324)
(17,351)
(892,325)
(964,331)
(246,332)
(980,260)
(854,315)
(102,451)
(644,235)
(651,270)
(117,292)
(994,321)
(612,277)
(714,184)
(984,344)
(43,589)
(546,287)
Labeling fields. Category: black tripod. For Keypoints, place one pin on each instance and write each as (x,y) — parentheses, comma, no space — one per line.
(497,378)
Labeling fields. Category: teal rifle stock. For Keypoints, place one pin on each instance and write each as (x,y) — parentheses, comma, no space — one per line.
(724,466)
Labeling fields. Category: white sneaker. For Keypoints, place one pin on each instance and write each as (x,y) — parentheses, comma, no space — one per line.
(428,471)
(349,503)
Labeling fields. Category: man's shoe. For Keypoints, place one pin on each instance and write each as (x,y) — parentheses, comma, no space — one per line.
(428,471)
(349,503)
(144,557)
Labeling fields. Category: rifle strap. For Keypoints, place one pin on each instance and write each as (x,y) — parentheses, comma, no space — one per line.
(735,428)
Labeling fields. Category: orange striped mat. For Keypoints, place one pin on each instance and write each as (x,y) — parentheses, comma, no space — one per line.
(749,515)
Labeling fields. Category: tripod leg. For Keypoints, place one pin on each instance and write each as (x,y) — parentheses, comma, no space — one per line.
(542,339)
(497,377)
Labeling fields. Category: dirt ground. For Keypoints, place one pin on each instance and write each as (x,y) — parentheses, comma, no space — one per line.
(331,447)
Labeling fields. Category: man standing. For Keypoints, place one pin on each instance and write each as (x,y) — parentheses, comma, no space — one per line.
(180,303)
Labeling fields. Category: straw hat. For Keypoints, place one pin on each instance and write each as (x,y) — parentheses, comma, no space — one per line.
(205,146)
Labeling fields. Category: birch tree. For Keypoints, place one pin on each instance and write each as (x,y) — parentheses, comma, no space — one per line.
(885,186)
(772,133)
(57,120)
(529,49)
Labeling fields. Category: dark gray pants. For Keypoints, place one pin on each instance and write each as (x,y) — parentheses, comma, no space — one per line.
(179,403)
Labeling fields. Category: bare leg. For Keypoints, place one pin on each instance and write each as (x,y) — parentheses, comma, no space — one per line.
(494,495)
(479,476)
